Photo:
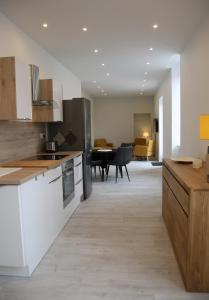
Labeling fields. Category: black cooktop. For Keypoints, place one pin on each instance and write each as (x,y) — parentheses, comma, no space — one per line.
(46,157)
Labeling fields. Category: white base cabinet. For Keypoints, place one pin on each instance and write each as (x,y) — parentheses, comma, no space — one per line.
(31,217)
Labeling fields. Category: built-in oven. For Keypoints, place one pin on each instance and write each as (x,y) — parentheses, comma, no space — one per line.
(68,182)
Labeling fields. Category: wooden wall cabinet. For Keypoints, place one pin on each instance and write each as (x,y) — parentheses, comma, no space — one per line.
(186,214)
(15,90)
(51,91)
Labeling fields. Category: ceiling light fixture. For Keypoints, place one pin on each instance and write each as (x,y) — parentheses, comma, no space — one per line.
(94,81)
(99,87)
(96,50)
(103,65)
(84,29)
(148,63)
(151,49)
(108,74)
(146,73)
(155,26)
(45,25)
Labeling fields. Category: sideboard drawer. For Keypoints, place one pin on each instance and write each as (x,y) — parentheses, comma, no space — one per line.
(177,189)
(180,233)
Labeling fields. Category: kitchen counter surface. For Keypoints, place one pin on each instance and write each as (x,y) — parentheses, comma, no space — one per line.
(49,164)
(32,168)
(21,176)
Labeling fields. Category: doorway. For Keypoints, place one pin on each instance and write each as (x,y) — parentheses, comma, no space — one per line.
(142,125)
(161,140)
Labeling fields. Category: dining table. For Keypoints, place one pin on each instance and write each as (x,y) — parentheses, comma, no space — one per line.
(103,155)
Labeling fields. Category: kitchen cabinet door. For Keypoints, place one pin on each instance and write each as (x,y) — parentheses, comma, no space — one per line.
(42,214)
(23,91)
(15,90)
(51,91)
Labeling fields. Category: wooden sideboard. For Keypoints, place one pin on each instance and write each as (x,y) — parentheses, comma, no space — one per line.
(185,211)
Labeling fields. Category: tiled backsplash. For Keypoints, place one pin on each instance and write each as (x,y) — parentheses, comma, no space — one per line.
(20,139)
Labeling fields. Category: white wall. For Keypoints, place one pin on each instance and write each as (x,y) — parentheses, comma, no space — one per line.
(16,43)
(114,117)
(194,95)
(194,91)
(165,91)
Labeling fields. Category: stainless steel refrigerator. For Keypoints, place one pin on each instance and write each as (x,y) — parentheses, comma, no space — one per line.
(75,134)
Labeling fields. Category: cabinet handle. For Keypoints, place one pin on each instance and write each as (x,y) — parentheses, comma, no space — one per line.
(78,181)
(78,164)
(55,179)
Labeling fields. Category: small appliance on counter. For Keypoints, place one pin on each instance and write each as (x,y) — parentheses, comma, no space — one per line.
(51,147)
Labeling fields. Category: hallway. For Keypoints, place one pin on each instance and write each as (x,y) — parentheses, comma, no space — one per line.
(114,247)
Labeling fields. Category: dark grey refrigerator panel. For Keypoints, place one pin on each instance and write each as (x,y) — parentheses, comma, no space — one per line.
(75,134)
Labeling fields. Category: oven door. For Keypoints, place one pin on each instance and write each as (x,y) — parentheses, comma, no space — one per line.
(68,186)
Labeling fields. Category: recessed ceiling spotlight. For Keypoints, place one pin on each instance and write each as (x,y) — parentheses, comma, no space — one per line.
(102,65)
(146,73)
(94,81)
(151,49)
(144,80)
(148,63)
(142,85)
(155,26)
(84,29)
(96,50)
(108,74)
(45,25)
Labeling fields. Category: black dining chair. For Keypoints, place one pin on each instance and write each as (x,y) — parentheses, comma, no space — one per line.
(122,158)
(126,145)
(94,165)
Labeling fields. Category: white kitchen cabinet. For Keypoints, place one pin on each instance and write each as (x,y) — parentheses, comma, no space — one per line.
(41,214)
(15,90)
(31,217)
(30,220)
(57,103)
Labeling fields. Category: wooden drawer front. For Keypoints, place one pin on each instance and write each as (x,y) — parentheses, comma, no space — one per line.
(167,210)
(180,233)
(177,189)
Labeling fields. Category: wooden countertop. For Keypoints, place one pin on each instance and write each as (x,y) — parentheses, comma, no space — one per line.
(21,176)
(188,177)
(32,168)
(49,164)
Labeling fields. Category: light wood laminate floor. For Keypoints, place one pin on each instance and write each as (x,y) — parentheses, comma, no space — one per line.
(114,247)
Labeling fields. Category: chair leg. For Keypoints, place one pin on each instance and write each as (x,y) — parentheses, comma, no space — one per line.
(107,172)
(116,174)
(127,173)
(121,171)
(100,172)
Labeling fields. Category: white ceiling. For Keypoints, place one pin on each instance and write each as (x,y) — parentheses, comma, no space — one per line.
(120,29)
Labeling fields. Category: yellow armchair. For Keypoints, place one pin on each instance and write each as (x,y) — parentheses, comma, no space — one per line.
(102,143)
(145,151)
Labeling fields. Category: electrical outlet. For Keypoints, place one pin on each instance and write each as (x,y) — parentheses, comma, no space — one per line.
(42,135)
